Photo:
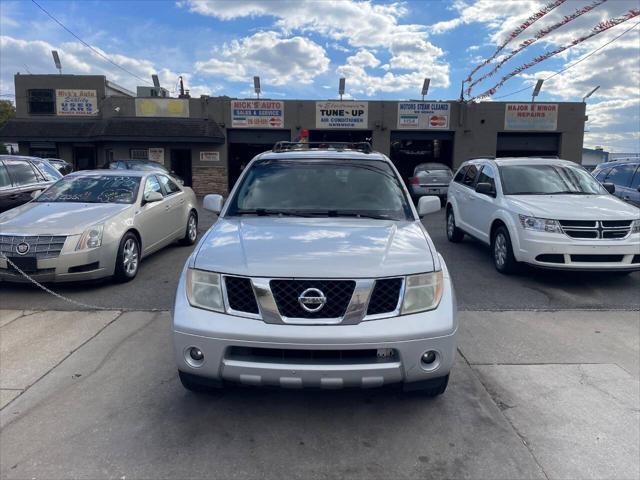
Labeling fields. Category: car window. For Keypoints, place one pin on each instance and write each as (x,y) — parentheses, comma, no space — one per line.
(92,189)
(152,185)
(5,181)
(460,175)
(22,173)
(602,174)
(470,176)
(49,172)
(169,185)
(487,175)
(635,182)
(620,175)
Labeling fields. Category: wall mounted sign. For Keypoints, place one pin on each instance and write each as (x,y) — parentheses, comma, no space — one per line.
(342,114)
(162,107)
(257,114)
(531,116)
(423,115)
(76,103)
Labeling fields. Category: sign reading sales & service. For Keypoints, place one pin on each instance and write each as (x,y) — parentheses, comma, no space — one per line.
(423,115)
(257,113)
(531,116)
(346,114)
(76,103)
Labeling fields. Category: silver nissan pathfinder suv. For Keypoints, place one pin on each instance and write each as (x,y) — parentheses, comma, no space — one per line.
(318,273)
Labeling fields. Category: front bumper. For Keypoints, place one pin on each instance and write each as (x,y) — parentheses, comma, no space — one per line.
(218,335)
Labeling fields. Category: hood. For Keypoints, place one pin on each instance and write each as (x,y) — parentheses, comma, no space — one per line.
(314,248)
(57,218)
(575,207)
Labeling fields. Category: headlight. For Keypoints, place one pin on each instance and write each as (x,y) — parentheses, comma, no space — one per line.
(540,224)
(636,226)
(91,238)
(422,292)
(204,291)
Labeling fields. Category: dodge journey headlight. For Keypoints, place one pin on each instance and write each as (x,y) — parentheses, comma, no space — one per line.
(422,292)
(540,224)
(90,238)
(204,290)
(635,228)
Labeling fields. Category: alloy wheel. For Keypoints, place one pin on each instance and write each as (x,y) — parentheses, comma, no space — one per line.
(500,250)
(192,228)
(130,257)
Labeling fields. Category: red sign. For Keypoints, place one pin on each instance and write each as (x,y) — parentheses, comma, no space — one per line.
(275,122)
(436,121)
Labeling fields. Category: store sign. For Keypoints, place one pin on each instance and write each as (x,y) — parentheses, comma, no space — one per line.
(531,116)
(209,156)
(76,103)
(423,115)
(257,114)
(162,107)
(338,114)
(156,155)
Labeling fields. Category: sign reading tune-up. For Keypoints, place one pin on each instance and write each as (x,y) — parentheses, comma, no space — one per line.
(76,103)
(531,116)
(423,115)
(257,113)
(342,114)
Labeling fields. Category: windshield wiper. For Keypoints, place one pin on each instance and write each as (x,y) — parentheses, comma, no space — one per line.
(338,213)
(264,212)
(570,192)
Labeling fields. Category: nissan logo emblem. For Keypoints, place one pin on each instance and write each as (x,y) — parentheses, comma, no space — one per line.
(312,300)
(23,248)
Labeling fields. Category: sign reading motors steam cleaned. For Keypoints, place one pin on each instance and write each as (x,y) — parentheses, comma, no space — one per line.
(347,114)
(423,115)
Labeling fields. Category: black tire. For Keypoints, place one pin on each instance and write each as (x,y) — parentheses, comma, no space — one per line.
(454,234)
(428,388)
(190,236)
(443,201)
(197,384)
(502,251)
(124,272)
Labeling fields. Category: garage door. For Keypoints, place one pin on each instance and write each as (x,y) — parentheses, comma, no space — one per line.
(527,144)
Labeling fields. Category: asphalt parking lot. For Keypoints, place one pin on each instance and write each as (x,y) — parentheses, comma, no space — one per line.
(478,285)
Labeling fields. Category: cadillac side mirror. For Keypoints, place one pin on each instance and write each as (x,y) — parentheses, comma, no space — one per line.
(609,187)
(35,194)
(151,197)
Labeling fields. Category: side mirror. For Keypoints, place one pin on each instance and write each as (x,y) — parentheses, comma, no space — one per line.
(213,203)
(151,197)
(485,189)
(428,204)
(609,187)
(35,194)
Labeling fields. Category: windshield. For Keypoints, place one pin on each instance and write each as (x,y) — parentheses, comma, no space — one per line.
(321,188)
(93,189)
(548,180)
(49,172)
(146,166)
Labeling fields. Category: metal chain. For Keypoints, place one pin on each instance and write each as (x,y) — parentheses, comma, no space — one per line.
(51,292)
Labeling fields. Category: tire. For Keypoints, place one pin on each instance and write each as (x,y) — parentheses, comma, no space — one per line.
(191,230)
(502,251)
(454,234)
(443,202)
(197,384)
(428,388)
(127,259)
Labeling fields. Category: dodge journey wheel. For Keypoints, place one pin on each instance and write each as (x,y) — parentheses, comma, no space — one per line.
(454,234)
(502,251)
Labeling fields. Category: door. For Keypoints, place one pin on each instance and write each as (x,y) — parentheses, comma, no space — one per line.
(481,206)
(25,180)
(152,218)
(621,176)
(181,164)
(465,197)
(84,158)
(176,216)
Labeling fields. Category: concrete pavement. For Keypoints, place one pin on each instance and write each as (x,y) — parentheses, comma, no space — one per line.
(533,395)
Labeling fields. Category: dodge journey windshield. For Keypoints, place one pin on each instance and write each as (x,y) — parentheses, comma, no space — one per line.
(321,188)
(548,180)
(93,189)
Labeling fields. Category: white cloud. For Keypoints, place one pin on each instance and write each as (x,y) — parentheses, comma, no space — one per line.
(279,60)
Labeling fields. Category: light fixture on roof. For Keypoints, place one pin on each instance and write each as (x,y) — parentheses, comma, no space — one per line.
(425,87)
(341,85)
(590,93)
(56,60)
(156,82)
(536,90)
(256,86)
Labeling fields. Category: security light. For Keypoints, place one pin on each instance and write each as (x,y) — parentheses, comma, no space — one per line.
(590,93)
(536,90)
(156,82)
(341,87)
(56,60)
(256,85)
(425,87)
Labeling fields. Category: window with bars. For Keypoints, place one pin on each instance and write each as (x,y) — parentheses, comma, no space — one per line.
(42,102)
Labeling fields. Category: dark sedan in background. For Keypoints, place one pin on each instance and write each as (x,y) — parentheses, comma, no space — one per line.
(21,176)
(625,175)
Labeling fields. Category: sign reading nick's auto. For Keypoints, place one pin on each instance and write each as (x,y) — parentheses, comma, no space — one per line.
(423,115)
(338,114)
(76,103)
(257,113)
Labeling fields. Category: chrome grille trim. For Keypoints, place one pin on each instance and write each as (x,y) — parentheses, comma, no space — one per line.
(596,229)
(41,246)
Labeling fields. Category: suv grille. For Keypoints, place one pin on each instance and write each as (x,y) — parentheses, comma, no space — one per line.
(385,296)
(337,292)
(40,246)
(596,229)
(240,295)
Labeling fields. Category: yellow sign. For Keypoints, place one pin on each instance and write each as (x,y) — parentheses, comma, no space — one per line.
(162,107)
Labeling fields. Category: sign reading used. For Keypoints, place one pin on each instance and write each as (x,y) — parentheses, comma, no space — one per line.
(338,114)
(423,115)
(257,113)
(162,107)
(531,116)
(76,103)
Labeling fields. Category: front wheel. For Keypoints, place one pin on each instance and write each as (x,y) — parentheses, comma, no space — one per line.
(502,251)
(128,258)
(191,232)
(454,234)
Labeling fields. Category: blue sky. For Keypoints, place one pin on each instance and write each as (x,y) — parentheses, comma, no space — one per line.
(301,47)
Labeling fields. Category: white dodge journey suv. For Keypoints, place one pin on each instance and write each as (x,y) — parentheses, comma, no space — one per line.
(318,273)
(545,212)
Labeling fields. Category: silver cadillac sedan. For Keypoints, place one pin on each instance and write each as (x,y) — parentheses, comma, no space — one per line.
(95,224)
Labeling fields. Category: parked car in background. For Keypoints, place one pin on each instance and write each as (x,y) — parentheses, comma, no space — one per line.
(64,167)
(430,179)
(95,224)
(20,177)
(318,273)
(544,212)
(625,175)
(142,165)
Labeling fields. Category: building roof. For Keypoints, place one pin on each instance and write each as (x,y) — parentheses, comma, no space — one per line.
(123,128)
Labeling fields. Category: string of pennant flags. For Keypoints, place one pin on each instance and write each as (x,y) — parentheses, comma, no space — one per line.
(538,35)
(598,29)
(521,28)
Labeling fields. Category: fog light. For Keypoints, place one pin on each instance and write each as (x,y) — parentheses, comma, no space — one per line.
(196,354)
(428,357)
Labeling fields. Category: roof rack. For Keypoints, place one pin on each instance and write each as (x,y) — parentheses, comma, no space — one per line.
(544,156)
(364,147)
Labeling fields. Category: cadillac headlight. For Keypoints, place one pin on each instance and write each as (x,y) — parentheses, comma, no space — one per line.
(204,290)
(422,292)
(90,238)
(540,224)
